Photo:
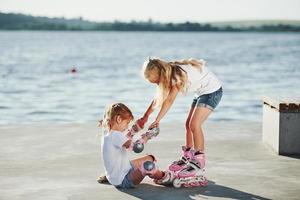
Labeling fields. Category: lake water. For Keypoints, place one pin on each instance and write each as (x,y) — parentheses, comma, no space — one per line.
(36,84)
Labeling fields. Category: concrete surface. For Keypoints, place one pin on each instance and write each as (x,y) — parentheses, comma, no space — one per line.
(62,161)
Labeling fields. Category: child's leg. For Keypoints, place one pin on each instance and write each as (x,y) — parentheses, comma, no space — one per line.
(142,167)
(199,116)
(189,143)
(137,176)
(139,161)
(158,174)
(181,163)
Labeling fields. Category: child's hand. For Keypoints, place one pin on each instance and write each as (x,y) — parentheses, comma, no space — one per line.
(154,124)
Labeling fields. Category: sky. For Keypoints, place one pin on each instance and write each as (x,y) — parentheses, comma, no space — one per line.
(158,10)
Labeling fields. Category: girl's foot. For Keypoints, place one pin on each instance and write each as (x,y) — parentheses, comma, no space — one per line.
(102,180)
(167,179)
(183,161)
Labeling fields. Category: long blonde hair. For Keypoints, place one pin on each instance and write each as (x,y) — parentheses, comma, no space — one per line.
(170,74)
(115,110)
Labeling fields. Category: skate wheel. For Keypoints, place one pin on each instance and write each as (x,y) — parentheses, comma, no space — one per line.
(204,183)
(176,183)
(187,185)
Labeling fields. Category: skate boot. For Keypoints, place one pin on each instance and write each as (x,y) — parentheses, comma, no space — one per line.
(138,145)
(167,179)
(183,161)
(193,174)
(150,168)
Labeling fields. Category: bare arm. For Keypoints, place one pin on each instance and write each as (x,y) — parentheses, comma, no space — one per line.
(148,112)
(166,105)
(150,109)
(127,144)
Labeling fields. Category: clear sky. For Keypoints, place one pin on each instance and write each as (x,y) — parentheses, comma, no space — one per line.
(158,10)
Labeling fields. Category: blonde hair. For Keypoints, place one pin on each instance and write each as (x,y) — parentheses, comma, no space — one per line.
(115,110)
(170,74)
(193,62)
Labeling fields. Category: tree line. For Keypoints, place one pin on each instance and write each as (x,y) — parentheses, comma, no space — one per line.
(12,21)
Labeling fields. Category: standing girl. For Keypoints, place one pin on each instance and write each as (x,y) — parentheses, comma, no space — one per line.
(184,76)
(119,170)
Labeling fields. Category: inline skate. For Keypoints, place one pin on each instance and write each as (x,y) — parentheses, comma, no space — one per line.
(193,174)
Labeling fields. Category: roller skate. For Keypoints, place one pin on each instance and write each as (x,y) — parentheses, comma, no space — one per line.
(138,146)
(183,161)
(149,168)
(167,179)
(193,174)
(136,127)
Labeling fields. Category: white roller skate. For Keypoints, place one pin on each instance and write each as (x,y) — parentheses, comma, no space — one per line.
(149,168)
(193,174)
(167,179)
(180,164)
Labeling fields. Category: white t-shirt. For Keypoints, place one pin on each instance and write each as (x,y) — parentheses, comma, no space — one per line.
(115,159)
(201,81)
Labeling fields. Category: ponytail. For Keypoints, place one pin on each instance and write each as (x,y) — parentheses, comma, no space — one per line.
(193,62)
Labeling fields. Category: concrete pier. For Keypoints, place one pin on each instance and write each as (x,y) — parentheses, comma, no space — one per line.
(62,161)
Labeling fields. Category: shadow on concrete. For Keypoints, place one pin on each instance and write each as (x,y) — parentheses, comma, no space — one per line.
(147,191)
(296,156)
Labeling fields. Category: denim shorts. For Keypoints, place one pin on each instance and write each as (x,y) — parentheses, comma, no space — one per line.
(127,182)
(210,100)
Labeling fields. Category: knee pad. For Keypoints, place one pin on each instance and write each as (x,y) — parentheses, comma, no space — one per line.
(148,168)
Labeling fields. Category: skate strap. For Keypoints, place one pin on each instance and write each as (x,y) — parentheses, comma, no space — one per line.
(184,159)
(129,134)
(184,148)
(194,165)
(151,133)
(133,130)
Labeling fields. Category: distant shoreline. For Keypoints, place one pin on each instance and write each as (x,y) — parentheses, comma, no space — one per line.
(130,31)
(15,21)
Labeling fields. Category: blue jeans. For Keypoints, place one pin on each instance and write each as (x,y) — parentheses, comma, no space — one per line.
(210,100)
(127,182)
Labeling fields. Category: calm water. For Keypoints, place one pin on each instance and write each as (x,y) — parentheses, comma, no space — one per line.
(35,83)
